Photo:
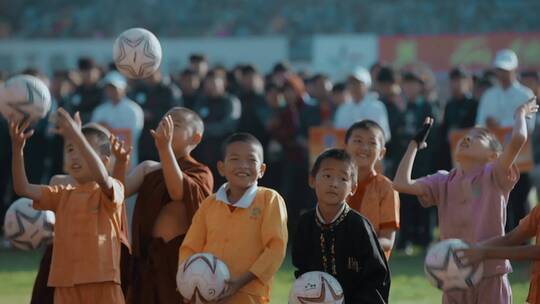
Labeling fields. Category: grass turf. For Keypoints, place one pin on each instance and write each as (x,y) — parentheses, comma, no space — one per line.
(409,285)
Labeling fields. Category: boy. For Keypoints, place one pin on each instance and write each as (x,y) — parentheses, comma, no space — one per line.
(511,246)
(86,252)
(41,293)
(169,193)
(375,197)
(336,239)
(477,189)
(242,224)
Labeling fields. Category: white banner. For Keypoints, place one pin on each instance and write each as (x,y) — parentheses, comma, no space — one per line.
(338,55)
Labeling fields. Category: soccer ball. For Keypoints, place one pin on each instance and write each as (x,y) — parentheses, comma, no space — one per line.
(316,287)
(444,269)
(137,53)
(27,228)
(24,97)
(201,278)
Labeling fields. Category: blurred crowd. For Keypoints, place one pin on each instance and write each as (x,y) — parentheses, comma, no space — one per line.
(279,108)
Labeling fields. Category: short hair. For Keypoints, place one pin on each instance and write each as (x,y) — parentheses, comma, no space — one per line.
(86,63)
(337,154)
(241,137)
(188,73)
(197,57)
(458,72)
(412,77)
(189,117)
(387,74)
(248,69)
(494,143)
(369,125)
(101,137)
(282,66)
(339,87)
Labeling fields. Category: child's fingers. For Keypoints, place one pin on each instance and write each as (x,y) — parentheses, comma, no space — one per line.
(77,118)
(153,133)
(28,134)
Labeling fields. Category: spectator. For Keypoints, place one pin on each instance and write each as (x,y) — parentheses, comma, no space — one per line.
(220,113)
(280,73)
(254,108)
(290,130)
(496,109)
(88,95)
(121,115)
(155,95)
(459,113)
(363,105)
(190,84)
(273,150)
(481,85)
(322,90)
(339,95)
(199,64)
(416,222)
(61,88)
(388,84)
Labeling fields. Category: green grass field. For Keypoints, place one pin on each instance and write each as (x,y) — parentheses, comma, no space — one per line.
(18,269)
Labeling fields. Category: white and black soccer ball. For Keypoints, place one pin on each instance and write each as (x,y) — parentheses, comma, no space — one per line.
(137,53)
(444,269)
(316,287)
(201,278)
(27,228)
(24,97)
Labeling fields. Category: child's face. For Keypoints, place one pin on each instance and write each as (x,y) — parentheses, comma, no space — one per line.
(75,164)
(365,146)
(242,165)
(475,146)
(333,182)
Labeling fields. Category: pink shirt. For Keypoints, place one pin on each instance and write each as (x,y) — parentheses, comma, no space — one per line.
(471,206)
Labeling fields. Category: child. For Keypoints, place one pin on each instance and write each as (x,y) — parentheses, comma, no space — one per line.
(336,239)
(41,293)
(242,224)
(169,193)
(375,197)
(86,252)
(510,247)
(472,198)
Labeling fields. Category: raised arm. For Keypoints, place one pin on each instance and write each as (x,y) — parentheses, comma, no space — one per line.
(71,131)
(519,135)
(174,178)
(22,187)
(121,155)
(402,181)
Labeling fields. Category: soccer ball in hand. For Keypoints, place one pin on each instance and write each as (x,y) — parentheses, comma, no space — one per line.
(137,53)
(24,97)
(316,287)
(201,278)
(27,228)
(444,269)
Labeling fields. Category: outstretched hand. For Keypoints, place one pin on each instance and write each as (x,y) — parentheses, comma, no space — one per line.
(19,134)
(66,125)
(527,109)
(164,133)
(422,134)
(120,151)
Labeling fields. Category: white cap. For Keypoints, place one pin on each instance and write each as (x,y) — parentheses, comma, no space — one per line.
(362,75)
(506,60)
(115,79)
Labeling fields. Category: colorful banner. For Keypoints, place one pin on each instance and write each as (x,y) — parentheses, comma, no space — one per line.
(524,160)
(475,51)
(322,138)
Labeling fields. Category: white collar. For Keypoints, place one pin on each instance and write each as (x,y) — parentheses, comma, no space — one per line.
(321,219)
(244,202)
